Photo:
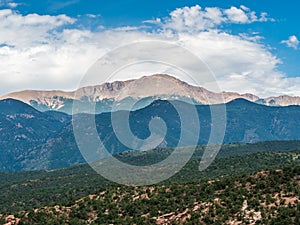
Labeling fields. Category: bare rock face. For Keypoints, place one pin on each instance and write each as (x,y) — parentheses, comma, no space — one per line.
(11,220)
(156,86)
(283,100)
(51,99)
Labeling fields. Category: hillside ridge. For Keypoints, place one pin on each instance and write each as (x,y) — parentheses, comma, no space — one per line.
(158,86)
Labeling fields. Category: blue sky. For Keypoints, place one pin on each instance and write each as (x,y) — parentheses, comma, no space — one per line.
(83,23)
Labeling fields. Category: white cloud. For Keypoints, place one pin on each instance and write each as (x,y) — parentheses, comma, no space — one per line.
(92,16)
(245,15)
(40,52)
(245,8)
(196,18)
(236,15)
(254,37)
(153,21)
(13,4)
(24,31)
(238,64)
(292,42)
(9,3)
(264,17)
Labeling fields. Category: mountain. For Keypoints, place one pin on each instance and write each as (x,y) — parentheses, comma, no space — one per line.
(283,100)
(144,90)
(33,140)
(23,127)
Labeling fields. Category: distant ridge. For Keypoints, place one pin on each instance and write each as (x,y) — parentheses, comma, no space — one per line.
(33,140)
(145,89)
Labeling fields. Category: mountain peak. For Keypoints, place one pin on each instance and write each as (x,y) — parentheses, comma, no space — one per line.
(10,105)
(156,86)
(162,76)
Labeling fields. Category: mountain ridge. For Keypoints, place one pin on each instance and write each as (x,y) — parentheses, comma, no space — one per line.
(145,89)
(55,146)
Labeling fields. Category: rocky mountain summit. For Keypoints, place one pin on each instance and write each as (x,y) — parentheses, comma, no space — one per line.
(143,90)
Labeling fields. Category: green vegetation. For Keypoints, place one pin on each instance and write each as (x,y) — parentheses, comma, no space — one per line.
(267,197)
(32,140)
(34,189)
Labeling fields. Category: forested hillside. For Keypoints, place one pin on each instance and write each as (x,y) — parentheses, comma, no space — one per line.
(265,197)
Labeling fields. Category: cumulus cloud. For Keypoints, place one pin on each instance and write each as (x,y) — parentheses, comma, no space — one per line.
(8,3)
(48,52)
(32,29)
(245,15)
(238,64)
(196,18)
(292,42)
(13,4)
(236,15)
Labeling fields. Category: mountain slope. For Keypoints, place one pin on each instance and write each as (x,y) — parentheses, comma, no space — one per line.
(246,123)
(145,90)
(264,197)
(23,190)
(21,128)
